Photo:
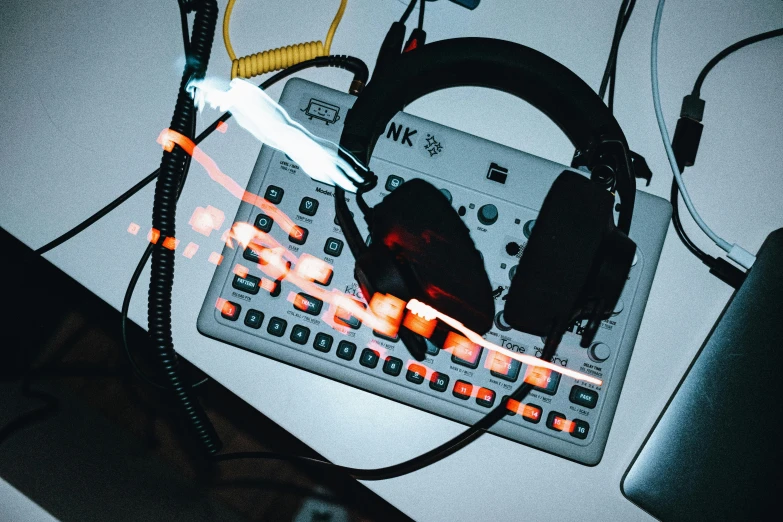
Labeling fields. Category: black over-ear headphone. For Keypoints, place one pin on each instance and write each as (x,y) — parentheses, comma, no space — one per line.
(576,261)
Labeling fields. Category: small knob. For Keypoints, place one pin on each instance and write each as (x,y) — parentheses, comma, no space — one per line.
(599,352)
(528,228)
(501,323)
(446,193)
(488,214)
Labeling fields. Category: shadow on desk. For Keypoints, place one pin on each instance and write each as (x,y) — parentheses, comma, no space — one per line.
(112,448)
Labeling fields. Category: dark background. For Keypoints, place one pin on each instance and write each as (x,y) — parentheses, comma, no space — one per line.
(106,446)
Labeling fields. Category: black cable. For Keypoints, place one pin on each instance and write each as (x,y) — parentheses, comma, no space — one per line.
(164,220)
(421,15)
(349,63)
(610,71)
(408,11)
(686,240)
(727,51)
(694,112)
(430,457)
(184,9)
(98,215)
(360,72)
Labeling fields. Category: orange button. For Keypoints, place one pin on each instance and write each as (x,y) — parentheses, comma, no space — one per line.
(418,369)
(485,397)
(537,376)
(462,350)
(462,390)
(500,363)
(419,325)
(531,413)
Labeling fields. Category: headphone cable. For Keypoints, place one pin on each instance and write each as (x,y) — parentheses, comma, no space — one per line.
(735,252)
(685,145)
(432,456)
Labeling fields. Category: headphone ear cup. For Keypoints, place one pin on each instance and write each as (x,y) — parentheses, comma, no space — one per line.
(560,257)
(434,254)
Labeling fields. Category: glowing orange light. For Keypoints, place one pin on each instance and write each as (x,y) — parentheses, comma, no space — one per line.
(268,285)
(226,307)
(133,228)
(314,269)
(463,388)
(222,127)
(418,368)
(422,309)
(271,261)
(241,271)
(153,235)
(169,136)
(531,412)
(485,394)
(538,376)
(420,325)
(205,220)
(343,314)
(388,310)
(499,363)
(301,301)
(215,258)
(461,347)
(170,243)
(388,306)
(562,424)
(190,250)
(512,405)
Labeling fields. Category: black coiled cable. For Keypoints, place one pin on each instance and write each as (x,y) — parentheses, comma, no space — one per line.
(163,219)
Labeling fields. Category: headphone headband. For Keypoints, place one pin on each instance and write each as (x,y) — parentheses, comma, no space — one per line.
(497,64)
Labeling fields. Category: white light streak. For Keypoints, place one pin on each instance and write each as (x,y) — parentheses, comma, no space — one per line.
(260,115)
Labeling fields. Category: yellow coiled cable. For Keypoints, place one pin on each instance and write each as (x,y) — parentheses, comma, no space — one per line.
(280,58)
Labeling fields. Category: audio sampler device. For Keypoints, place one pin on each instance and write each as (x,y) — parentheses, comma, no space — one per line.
(497,191)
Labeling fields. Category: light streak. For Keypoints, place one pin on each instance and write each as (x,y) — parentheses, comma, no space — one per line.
(241,271)
(168,137)
(205,220)
(416,306)
(170,243)
(257,113)
(247,235)
(190,250)
(153,235)
(314,269)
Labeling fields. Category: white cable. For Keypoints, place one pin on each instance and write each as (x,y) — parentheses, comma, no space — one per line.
(735,252)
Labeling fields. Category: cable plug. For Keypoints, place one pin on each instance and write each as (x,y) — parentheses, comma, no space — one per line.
(392,45)
(726,272)
(417,39)
(741,256)
(687,135)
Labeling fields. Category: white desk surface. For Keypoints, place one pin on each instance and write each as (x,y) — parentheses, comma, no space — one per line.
(87,86)
(14,505)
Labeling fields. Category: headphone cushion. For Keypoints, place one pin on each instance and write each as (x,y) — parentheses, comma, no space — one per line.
(435,252)
(560,255)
